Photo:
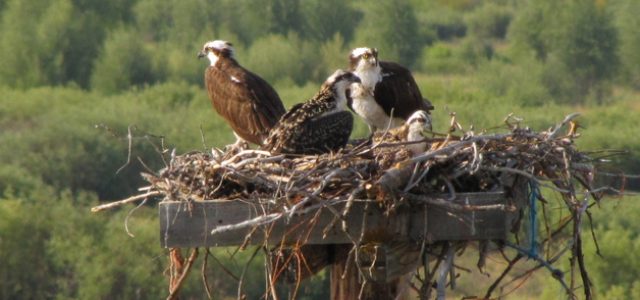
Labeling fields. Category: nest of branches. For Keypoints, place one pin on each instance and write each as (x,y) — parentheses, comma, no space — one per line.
(389,174)
(466,163)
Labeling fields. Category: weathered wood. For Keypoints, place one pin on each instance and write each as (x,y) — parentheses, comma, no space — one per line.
(347,284)
(190,224)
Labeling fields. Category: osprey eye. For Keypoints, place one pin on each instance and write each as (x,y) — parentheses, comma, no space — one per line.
(366,55)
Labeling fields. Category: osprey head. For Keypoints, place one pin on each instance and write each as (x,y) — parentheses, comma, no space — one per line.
(419,121)
(340,80)
(363,58)
(213,50)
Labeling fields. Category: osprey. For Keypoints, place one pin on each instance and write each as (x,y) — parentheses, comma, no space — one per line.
(319,125)
(387,95)
(411,131)
(246,101)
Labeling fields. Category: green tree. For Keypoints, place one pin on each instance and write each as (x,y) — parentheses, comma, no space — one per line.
(26,271)
(616,272)
(123,62)
(535,27)
(489,21)
(276,57)
(53,42)
(588,47)
(284,16)
(627,23)
(325,18)
(32,37)
(392,27)
(577,35)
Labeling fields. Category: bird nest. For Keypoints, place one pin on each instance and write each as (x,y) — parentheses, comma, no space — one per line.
(386,172)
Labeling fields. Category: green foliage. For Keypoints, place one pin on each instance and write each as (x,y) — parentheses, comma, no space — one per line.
(444,58)
(325,19)
(446,23)
(391,26)
(276,57)
(53,42)
(576,39)
(334,57)
(627,23)
(32,40)
(124,62)
(535,27)
(25,272)
(80,140)
(519,84)
(615,274)
(588,46)
(489,21)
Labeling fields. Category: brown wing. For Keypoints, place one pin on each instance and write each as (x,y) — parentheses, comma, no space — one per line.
(398,90)
(314,135)
(303,130)
(321,135)
(248,103)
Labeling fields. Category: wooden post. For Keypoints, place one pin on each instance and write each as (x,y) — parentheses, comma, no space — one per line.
(347,283)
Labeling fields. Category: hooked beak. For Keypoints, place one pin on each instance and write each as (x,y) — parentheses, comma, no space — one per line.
(201,54)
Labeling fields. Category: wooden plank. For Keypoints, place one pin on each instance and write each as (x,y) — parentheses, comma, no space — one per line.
(184,226)
(445,225)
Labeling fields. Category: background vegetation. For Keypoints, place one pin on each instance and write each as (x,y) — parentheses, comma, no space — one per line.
(77,75)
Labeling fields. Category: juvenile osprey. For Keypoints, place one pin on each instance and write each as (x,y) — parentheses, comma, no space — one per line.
(320,125)
(411,131)
(385,87)
(247,102)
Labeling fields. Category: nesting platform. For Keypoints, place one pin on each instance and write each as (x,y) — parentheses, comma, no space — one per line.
(380,209)
(481,216)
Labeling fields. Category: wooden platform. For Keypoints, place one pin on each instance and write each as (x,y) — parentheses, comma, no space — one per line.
(184,227)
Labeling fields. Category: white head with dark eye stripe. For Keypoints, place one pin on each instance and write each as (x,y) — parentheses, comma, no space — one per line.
(364,62)
(214,50)
(419,116)
(338,82)
(418,122)
(363,58)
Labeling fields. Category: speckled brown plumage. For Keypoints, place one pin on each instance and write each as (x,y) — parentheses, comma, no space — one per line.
(320,125)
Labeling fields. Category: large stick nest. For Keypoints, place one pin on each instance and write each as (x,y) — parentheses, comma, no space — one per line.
(382,171)
(459,161)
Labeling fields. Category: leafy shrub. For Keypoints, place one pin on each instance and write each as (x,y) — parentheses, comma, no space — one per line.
(392,27)
(442,58)
(447,24)
(627,24)
(489,21)
(123,62)
(520,84)
(276,57)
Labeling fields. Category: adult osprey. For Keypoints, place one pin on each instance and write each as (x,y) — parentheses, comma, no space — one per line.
(246,101)
(319,125)
(387,95)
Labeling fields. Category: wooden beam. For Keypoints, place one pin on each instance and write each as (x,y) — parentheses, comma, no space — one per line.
(189,224)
